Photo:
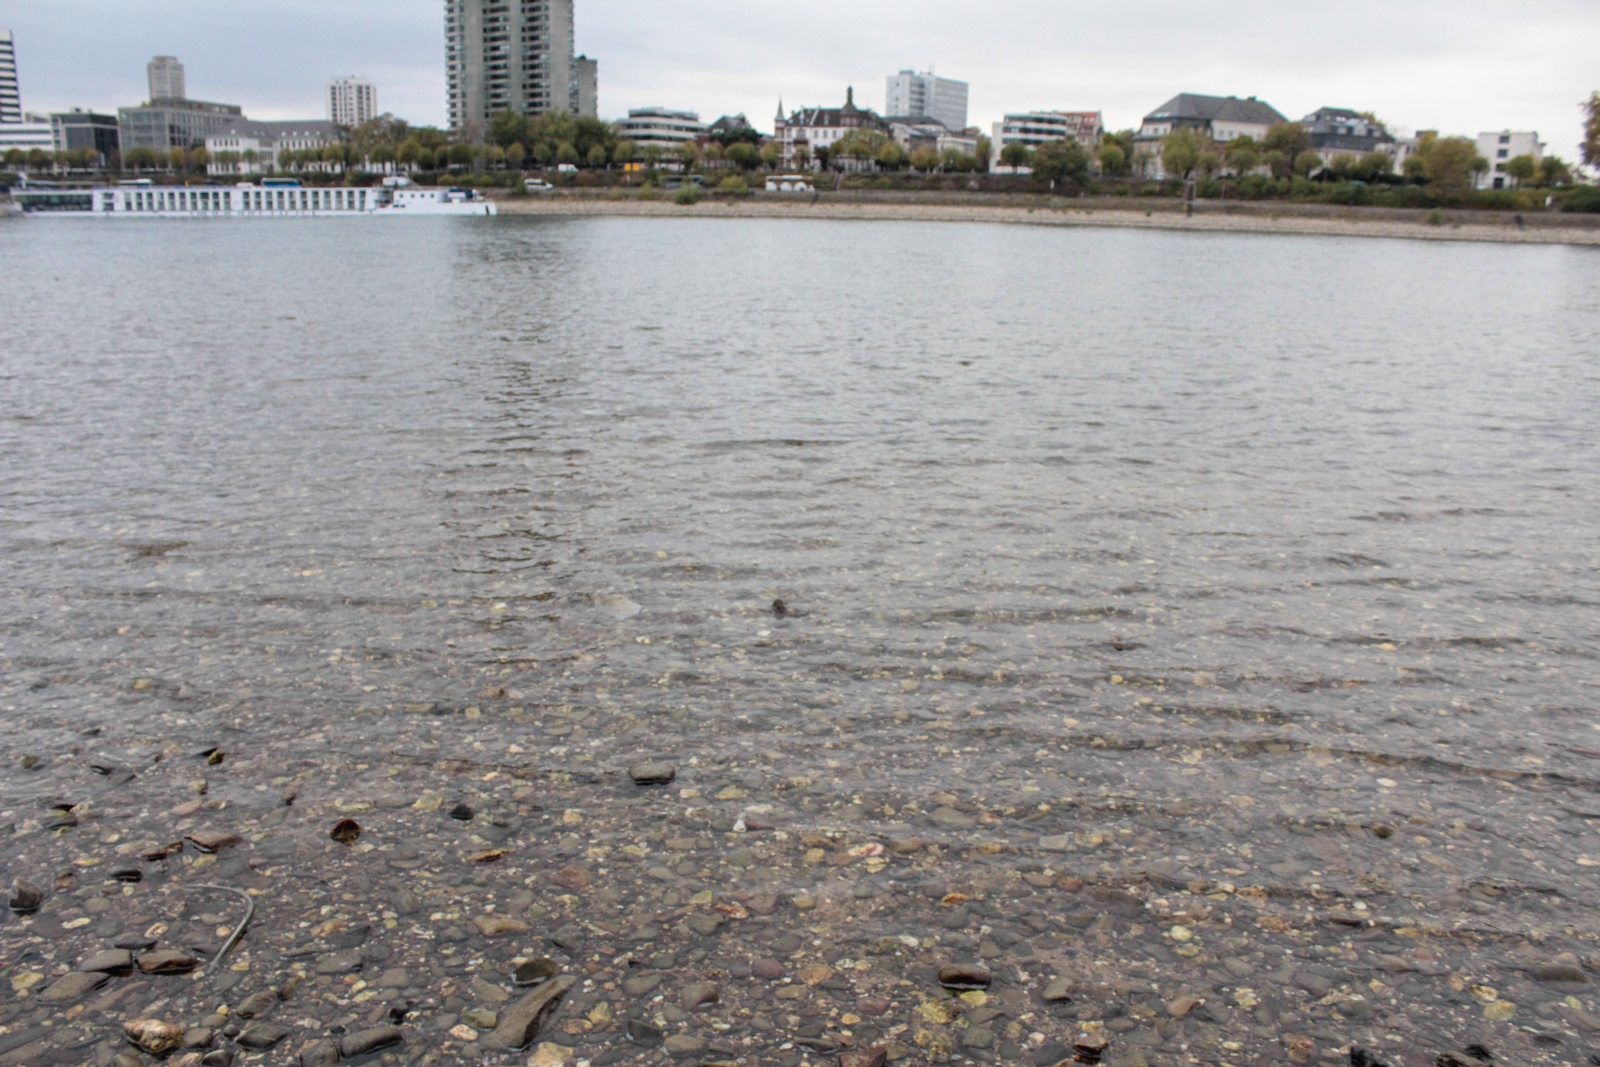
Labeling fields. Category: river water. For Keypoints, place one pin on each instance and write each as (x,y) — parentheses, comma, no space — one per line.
(1154,558)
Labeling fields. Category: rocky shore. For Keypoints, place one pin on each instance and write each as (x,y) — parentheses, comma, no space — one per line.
(441,911)
(1350,223)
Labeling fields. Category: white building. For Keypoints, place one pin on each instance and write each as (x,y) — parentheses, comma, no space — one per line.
(351,101)
(10,94)
(34,131)
(913,95)
(1499,149)
(248,147)
(1034,128)
(166,79)
(661,127)
(816,128)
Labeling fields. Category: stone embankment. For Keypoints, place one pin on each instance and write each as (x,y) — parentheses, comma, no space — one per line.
(1208,216)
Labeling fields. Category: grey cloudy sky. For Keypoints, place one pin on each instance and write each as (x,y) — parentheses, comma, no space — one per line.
(1457,65)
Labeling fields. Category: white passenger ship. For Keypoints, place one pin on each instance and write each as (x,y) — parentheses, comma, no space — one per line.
(273,198)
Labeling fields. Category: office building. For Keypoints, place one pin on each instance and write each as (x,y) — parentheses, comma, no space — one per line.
(1501,148)
(501,55)
(166,79)
(76,129)
(913,95)
(660,127)
(166,121)
(10,94)
(588,87)
(1034,128)
(351,101)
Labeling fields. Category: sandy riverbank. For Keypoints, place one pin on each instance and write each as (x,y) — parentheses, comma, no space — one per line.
(1503,233)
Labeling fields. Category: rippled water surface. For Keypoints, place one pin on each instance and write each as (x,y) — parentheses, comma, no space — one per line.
(1257,561)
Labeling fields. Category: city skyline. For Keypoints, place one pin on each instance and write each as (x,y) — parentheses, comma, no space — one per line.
(1459,67)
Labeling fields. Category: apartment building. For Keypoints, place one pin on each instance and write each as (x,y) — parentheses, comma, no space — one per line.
(515,54)
(351,101)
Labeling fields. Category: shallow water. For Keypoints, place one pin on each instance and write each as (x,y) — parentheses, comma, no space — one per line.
(1262,562)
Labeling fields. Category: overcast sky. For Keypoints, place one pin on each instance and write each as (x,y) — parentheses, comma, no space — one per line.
(1461,66)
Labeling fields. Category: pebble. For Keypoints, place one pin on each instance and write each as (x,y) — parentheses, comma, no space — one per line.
(952,819)
(964,976)
(110,961)
(346,831)
(482,1018)
(642,1033)
(1558,974)
(167,961)
(74,986)
(214,840)
(768,968)
(366,1041)
(699,995)
(154,1035)
(199,1037)
(262,1036)
(25,897)
(876,1056)
(217,1058)
(497,925)
(1180,1007)
(521,1023)
(535,971)
(683,1044)
(1057,990)
(323,1054)
(462,813)
(257,1004)
(641,985)
(652,772)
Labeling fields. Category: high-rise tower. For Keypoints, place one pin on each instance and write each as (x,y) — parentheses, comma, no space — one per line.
(166,79)
(352,101)
(516,54)
(10,95)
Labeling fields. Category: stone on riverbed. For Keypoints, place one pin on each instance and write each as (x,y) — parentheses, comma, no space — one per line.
(25,897)
(262,1036)
(155,1036)
(965,976)
(74,986)
(111,961)
(167,961)
(521,1023)
(652,772)
(365,1041)
(1558,974)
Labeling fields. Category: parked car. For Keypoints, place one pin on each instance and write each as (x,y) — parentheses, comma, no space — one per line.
(537,185)
(566,168)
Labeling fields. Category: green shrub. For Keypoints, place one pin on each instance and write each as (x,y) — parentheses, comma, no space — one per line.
(733,185)
(688,194)
(1208,189)
(1257,187)
(1436,217)
(1152,189)
(1585,198)
(1120,190)
(647,191)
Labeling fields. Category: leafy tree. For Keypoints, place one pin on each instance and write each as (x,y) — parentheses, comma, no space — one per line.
(567,152)
(1056,161)
(1242,155)
(597,155)
(688,155)
(507,128)
(410,152)
(136,159)
(1553,170)
(744,155)
(1372,166)
(714,154)
(771,153)
(460,155)
(925,159)
(1113,160)
(515,155)
(1016,155)
(625,152)
(1447,164)
(891,155)
(982,153)
(1210,162)
(1290,138)
(802,156)
(1181,151)
(1591,130)
(1307,162)
(383,130)
(175,159)
(16,157)
(1523,169)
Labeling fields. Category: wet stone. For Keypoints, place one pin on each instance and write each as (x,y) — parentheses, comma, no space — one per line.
(167,961)
(964,977)
(652,772)
(110,961)
(364,1042)
(199,1037)
(25,897)
(1559,974)
(643,1033)
(641,985)
(767,968)
(261,1036)
(535,971)
(74,986)
(338,963)
(699,995)
(257,1004)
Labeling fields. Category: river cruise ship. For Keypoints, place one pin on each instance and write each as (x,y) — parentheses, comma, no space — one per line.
(272,198)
